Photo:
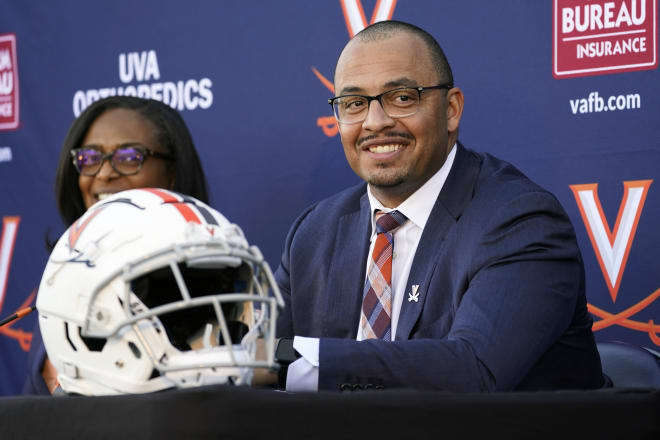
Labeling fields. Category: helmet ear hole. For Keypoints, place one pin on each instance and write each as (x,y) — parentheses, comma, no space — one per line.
(92,344)
(136,351)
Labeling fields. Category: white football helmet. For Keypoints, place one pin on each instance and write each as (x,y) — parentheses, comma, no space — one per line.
(150,290)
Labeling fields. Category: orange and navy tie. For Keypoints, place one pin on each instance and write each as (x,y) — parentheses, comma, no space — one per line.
(375,321)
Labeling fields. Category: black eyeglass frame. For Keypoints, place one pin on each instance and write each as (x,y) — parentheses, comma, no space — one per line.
(143,150)
(379,97)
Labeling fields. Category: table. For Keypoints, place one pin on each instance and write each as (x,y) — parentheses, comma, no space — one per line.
(228,412)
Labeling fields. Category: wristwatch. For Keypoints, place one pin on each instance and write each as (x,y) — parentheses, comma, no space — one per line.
(284,355)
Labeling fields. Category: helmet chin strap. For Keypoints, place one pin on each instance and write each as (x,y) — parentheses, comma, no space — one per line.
(203,339)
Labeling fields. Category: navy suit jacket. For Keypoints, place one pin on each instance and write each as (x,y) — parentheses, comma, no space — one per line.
(501,290)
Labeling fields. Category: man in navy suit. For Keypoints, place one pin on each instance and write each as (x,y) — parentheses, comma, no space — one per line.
(484,285)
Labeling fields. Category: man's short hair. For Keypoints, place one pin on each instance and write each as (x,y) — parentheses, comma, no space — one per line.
(386,29)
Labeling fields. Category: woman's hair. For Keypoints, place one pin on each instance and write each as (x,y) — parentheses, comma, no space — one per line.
(172,134)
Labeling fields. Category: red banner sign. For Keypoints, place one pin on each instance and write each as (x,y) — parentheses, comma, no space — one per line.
(595,37)
(8,83)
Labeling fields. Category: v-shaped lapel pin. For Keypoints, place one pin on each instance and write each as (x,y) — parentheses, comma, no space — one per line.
(414,295)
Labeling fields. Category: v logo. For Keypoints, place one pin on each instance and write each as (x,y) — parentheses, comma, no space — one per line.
(355,22)
(355,18)
(77,228)
(612,247)
(7,240)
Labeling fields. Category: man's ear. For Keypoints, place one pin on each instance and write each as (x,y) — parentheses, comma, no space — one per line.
(454,108)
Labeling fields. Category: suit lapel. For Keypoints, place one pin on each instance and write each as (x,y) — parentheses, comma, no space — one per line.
(452,200)
(347,272)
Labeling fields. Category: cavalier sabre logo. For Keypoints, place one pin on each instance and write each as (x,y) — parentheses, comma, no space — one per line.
(612,247)
(355,22)
(8,83)
(595,37)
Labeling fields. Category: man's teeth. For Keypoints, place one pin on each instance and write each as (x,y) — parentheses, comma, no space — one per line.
(102,196)
(384,148)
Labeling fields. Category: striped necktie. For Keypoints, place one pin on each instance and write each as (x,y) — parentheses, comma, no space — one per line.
(375,320)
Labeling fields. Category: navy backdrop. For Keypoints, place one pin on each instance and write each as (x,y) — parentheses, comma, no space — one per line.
(252,78)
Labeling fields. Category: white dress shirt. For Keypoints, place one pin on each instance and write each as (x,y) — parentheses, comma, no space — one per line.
(303,374)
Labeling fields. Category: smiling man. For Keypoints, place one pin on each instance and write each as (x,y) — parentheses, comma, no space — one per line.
(448,269)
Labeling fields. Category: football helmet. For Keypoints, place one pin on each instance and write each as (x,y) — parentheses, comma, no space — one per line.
(151,289)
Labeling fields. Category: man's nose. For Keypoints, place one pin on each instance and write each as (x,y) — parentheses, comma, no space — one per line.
(377,119)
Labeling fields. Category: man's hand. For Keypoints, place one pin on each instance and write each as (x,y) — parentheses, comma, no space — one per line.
(263,376)
(49,373)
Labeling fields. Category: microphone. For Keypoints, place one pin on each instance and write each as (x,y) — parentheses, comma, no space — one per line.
(18,315)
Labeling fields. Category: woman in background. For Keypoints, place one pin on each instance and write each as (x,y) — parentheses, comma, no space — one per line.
(117,143)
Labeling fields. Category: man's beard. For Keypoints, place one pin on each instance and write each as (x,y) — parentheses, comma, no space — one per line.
(385,178)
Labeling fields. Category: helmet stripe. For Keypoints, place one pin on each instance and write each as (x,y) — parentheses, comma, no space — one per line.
(187,213)
(202,210)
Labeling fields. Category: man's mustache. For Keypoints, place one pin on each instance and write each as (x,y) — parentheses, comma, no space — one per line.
(391,134)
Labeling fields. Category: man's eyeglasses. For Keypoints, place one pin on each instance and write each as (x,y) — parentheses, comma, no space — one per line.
(126,160)
(396,103)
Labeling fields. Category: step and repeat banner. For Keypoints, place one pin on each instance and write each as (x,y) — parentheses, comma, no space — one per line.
(566,90)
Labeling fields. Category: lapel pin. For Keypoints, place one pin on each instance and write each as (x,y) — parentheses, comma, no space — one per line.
(414,295)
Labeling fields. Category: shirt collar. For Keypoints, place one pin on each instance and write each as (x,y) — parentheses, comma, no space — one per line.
(417,208)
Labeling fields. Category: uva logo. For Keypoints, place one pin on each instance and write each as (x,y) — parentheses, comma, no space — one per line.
(142,66)
(355,22)
(88,254)
(612,248)
(91,248)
